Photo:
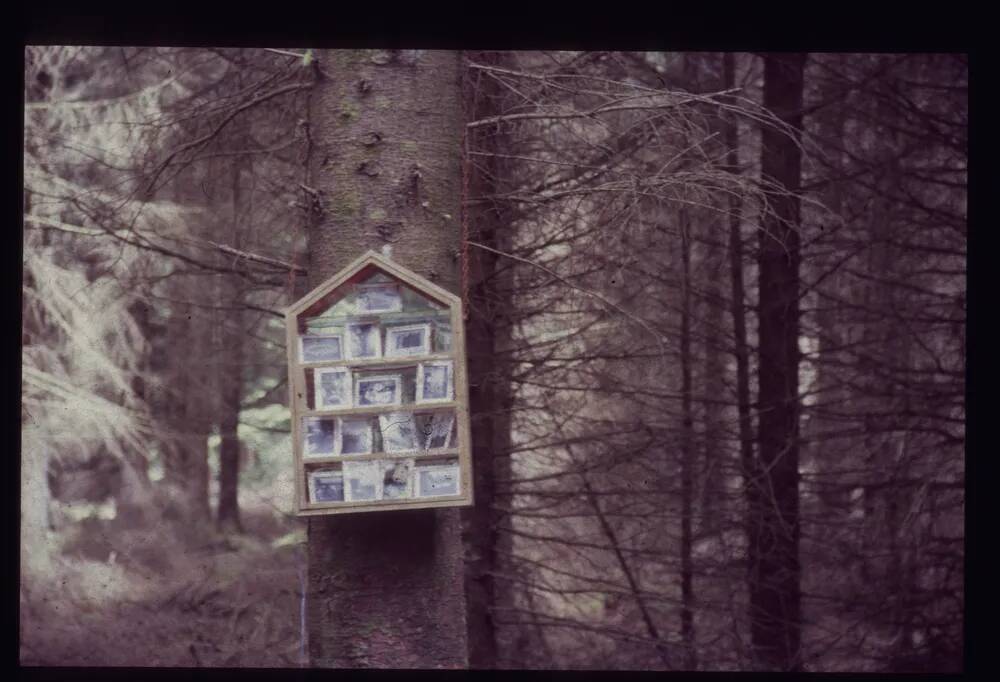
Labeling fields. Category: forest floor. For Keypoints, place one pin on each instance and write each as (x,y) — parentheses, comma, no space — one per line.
(169,597)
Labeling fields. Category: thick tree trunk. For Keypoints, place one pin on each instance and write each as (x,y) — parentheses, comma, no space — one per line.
(774,543)
(489,387)
(385,588)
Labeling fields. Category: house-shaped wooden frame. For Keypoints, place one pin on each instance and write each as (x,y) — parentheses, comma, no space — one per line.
(365,436)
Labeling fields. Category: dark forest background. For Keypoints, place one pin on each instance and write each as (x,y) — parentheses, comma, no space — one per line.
(720,308)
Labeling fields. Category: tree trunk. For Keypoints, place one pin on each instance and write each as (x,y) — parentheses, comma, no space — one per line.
(385,588)
(774,542)
(191,407)
(741,352)
(713,382)
(229,449)
(687,449)
(186,414)
(197,416)
(489,389)
(231,380)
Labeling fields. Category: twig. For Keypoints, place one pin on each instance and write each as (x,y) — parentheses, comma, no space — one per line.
(208,136)
(257,258)
(286,53)
(603,109)
(638,320)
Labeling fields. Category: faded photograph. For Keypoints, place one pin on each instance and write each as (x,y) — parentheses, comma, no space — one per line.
(399,431)
(409,340)
(333,387)
(437,481)
(321,437)
(438,430)
(374,391)
(356,436)
(321,348)
(326,485)
(434,382)
(364,341)
(362,481)
(378,298)
(397,480)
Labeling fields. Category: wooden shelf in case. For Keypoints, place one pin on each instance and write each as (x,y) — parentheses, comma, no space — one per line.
(382,409)
(409,454)
(378,363)
(312,508)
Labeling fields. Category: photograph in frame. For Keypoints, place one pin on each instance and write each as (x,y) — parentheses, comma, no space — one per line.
(326,485)
(414,339)
(437,481)
(355,436)
(377,298)
(399,432)
(397,479)
(364,341)
(321,347)
(321,437)
(378,391)
(362,481)
(442,337)
(439,429)
(434,382)
(332,387)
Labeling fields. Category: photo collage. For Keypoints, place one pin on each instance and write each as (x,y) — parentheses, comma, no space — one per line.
(374,355)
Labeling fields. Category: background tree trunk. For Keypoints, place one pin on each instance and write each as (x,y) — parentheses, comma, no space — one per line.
(487,329)
(775,609)
(385,589)
(687,450)
(231,381)
(738,294)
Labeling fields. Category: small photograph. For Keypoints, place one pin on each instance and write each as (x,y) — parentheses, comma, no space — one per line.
(355,436)
(437,481)
(438,430)
(321,347)
(414,339)
(321,437)
(362,481)
(442,337)
(386,389)
(397,479)
(326,485)
(364,340)
(399,432)
(434,382)
(378,298)
(332,387)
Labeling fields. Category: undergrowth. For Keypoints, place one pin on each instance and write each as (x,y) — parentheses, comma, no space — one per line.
(170,595)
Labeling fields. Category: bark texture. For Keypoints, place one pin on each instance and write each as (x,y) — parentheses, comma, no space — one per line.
(775,609)
(385,589)
(487,331)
